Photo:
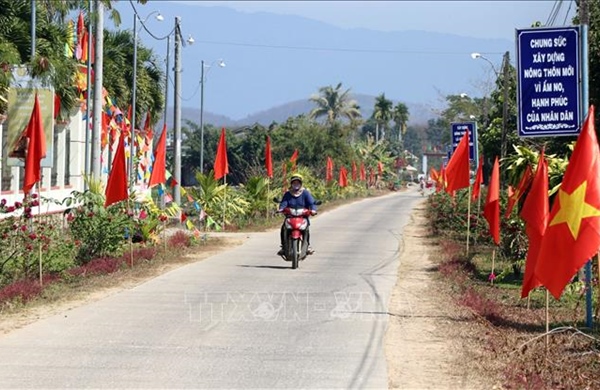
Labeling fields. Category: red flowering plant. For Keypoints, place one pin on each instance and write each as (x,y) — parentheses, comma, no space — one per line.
(25,237)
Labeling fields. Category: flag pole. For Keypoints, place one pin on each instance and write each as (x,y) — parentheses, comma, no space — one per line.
(268,192)
(493,265)
(468,220)
(224,199)
(130,235)
(39,241)
(547,317)
(478,213)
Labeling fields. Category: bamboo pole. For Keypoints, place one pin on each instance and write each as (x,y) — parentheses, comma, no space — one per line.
(39,240)
(547,318)
(468,220)
(130,234)
(493,266)
(224,200)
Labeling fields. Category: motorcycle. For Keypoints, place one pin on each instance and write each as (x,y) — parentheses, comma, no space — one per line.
(295,243)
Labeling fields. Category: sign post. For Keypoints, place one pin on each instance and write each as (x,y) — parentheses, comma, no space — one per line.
(548,75)
(458,130)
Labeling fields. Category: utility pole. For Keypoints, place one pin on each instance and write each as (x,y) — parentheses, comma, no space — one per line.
(132,173)
(177,119)
(505,63)
(88,98)
(202,117)
(98,75)
(33,24)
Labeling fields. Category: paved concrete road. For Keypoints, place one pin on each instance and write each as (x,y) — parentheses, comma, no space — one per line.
(240,319)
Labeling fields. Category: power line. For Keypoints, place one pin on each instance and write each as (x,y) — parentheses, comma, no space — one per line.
(348,50)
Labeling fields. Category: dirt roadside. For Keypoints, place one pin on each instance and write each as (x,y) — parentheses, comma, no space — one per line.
(427,344)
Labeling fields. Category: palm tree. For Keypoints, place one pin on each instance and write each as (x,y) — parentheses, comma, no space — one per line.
(400,117)
(118,74)
(334,103)
(382,114)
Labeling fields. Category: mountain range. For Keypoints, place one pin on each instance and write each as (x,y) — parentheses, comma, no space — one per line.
(274,63)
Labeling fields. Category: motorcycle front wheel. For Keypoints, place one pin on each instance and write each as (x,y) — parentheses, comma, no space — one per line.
(295,253)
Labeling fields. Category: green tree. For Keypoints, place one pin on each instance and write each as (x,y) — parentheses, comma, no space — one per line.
(334,103)
(118,75)
(382,113)
(400,116)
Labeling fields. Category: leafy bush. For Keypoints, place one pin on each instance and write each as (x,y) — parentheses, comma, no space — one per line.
(97,231)
(180,239)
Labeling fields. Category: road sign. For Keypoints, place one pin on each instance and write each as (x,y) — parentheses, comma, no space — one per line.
(458,131)
(548,90)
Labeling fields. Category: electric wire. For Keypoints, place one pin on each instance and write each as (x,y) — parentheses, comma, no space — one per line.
(332,49)
(568,11)
(137,15)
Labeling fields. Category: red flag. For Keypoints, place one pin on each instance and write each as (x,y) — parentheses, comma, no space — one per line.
(293,159)
(457,170)
(514,196)
(147,123)
(380,167)
(535,214)
(363,173)
(84,46)
(478,180)
(343,179)
(434,174)
(329,170)
(268,159)
(491,211)
(104,130)
(572,236)
(221,165)
(354,172)
(158,175)
(36,147)
(116,187)
(441,182)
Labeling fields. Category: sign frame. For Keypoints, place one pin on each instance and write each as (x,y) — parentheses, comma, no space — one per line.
(549,91)
(457,130)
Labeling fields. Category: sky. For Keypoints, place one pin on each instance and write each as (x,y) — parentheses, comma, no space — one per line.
(479,19)
(487,19)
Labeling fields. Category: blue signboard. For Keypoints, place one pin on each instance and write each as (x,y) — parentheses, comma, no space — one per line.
(458,130)
(548,90)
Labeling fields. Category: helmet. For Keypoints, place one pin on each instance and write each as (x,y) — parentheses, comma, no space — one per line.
(296,176)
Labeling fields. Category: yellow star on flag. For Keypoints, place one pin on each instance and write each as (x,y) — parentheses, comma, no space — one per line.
(573,209)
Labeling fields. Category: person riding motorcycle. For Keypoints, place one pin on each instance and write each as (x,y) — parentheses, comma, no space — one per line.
(297,197)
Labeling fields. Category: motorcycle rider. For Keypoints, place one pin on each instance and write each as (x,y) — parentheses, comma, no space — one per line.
(297,197)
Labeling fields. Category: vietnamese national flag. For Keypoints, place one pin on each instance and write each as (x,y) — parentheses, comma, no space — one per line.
(380,168)
(36,147)
(457,170)
(293,159)
(363,173)
(515,195)
(434,174)
(268,158)
(116,187)
(572,236)
(535,214)
(221,165)
(354,172)
(491,211)
(329,170)
(343,179)
(478,180)
(159,168)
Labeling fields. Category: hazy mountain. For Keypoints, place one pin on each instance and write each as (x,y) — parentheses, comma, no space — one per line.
(275,62)
(419,113)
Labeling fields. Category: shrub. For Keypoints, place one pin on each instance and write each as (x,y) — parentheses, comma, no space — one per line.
(25,289)
(180,239)
(99,266)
